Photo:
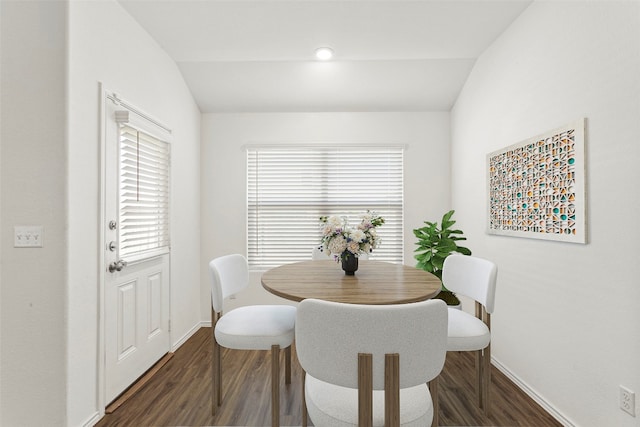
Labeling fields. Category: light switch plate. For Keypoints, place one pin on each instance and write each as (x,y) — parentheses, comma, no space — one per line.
(28,236)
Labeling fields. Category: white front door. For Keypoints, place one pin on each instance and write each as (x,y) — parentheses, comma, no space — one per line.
(135,293)
(136,323)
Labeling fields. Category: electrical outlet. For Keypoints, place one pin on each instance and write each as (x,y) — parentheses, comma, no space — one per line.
(627,401)
(27,236)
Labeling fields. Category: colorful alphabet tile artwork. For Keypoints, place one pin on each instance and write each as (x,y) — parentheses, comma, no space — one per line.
(537,188)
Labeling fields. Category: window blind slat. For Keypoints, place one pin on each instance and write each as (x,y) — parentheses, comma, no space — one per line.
(144,195)
(288,189)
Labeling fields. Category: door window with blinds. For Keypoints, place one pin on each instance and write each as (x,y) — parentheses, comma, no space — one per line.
(143,195)
(289,189)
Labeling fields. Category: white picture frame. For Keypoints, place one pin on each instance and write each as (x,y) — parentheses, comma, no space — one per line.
(537,188)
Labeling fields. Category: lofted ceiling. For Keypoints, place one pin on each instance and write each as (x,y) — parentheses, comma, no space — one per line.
(258,56)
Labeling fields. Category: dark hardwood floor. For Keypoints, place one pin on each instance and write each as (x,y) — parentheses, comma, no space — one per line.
(179,394)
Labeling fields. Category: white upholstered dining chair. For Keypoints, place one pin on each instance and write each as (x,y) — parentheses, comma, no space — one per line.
(475,278)
(257,327)
(364,366)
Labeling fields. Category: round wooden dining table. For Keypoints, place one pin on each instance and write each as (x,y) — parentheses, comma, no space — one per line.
(375,282)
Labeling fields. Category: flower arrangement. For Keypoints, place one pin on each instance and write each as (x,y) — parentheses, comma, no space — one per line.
(342,241)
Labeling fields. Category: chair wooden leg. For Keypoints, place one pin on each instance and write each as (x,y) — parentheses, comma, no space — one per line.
(483,364)
(214,377)
(478,380)
(433,389)
(478,361)
(275,385)
(486,380)
(365,390)
(216,366)
(392,390)
(219,373)
(287,365)
(305,415)
(486,373)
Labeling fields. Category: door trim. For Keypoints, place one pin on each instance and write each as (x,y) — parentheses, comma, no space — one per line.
(101,362)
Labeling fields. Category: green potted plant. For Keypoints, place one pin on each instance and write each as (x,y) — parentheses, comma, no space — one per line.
(435,243)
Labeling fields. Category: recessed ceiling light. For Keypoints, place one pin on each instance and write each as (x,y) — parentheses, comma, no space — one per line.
(324,53)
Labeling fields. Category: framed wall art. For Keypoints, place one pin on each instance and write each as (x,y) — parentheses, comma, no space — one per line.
(537,186)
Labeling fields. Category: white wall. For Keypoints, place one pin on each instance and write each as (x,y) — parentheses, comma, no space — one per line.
(224,171)
(567,320)
(33,58)
(108,46)
(49,299)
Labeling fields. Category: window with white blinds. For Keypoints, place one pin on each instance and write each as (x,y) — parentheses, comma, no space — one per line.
(288,189)
(143,195)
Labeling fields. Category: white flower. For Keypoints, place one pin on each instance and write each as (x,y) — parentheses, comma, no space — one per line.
(365,225)
(334,221)
(327,230)
(358,236)
(337,245)
(353,247)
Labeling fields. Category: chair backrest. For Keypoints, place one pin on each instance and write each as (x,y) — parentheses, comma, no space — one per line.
(330,335)
(471,276)
(229,275)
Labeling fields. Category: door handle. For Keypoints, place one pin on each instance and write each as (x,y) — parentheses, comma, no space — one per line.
(117,266)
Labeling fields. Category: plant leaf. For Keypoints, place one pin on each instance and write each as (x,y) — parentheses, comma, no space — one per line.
(437,262)
(464,251)
(446,217)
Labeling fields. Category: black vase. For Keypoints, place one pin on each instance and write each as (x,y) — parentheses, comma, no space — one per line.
(349,264)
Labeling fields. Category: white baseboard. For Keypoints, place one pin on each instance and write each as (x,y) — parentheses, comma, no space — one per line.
(186,336)
(533,394)
(93,420)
